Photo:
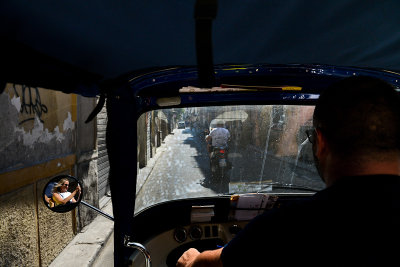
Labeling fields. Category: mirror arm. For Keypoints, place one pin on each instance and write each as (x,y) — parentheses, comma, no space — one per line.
(108,216)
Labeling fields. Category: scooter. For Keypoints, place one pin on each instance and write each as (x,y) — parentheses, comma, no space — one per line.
(219,164)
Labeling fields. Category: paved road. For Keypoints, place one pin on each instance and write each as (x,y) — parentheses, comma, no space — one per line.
(179,172)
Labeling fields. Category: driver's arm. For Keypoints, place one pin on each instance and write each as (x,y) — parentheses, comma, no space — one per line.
(193,258)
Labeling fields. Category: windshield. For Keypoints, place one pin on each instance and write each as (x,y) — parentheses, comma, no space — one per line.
(224,150)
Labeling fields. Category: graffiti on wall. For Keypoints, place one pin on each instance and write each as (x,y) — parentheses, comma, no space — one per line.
(42,110)
(31,103)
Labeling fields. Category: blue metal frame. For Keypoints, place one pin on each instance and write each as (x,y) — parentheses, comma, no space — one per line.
(313,79)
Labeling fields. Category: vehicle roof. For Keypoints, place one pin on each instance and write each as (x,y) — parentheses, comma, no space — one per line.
(79,47)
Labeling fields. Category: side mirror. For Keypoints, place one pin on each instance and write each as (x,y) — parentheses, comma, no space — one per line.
(62,193)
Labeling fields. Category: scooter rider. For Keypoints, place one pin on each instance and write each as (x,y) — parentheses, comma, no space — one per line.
(218,137)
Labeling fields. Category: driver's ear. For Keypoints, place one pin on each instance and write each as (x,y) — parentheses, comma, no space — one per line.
(322,146)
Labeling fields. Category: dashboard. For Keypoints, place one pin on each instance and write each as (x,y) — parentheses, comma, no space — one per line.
(166,248)
(169,229)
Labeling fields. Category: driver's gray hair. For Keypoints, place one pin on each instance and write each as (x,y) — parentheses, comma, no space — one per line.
(221,123)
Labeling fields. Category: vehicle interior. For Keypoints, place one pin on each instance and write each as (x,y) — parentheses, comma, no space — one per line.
(169,62)
(271,157)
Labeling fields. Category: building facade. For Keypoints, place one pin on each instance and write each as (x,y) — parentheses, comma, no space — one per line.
(42,135)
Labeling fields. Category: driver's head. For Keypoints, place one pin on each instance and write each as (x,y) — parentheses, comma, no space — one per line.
(360,118)
(220,124)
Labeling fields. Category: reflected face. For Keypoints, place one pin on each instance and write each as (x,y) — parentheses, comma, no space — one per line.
(65,186)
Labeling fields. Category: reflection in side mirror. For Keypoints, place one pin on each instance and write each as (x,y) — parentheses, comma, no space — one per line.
(62,193)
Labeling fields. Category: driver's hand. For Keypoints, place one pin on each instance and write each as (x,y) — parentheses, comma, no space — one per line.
(187,258)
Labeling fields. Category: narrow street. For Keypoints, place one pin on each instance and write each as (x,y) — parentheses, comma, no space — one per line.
(179,172)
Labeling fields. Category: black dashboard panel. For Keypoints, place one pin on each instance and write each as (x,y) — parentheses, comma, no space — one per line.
(169,215)
(168,229)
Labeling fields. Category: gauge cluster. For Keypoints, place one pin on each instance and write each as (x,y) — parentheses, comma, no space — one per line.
(202,236)
(196,232)
(205,231)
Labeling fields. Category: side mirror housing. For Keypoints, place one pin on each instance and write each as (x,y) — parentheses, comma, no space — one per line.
(63,193)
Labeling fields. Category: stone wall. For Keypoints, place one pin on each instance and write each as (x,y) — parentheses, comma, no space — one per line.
(54,229)
(142,141)
(86,162)
(42,134)
(152,128)
(18,228)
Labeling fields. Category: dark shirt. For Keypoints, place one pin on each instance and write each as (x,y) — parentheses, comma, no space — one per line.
(49,189)
(355,222)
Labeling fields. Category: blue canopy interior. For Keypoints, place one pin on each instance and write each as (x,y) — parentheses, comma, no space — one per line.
(75,46)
